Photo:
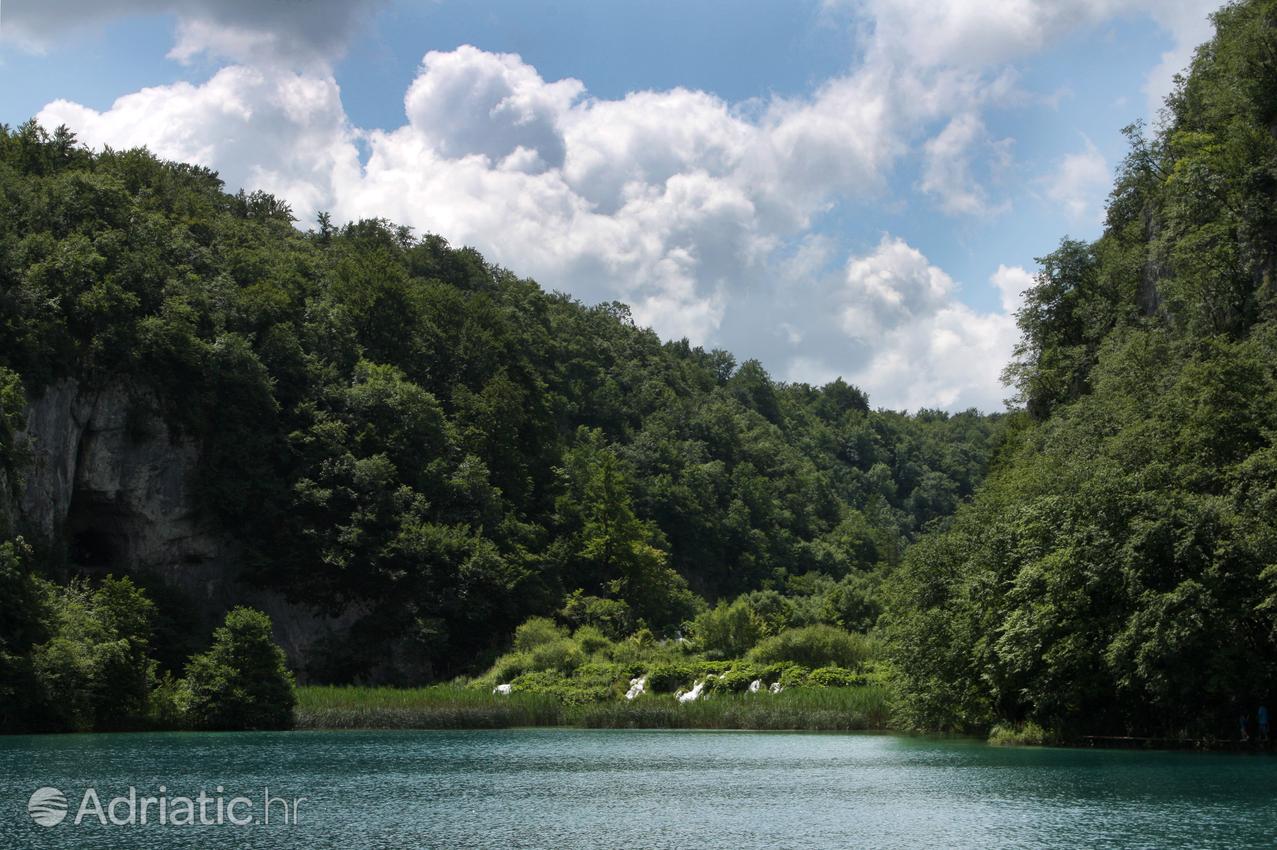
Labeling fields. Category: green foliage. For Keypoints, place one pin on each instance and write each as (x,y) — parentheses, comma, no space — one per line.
(833,677)
(535,632)
(94,672)
(728,631)
(452,707)
(392,426)
(610,616)
(591,640)
(1114,575)
(1024,735)
(667,678)
(241,682)
(815,646)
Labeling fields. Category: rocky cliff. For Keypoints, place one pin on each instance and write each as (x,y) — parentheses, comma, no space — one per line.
(109,488)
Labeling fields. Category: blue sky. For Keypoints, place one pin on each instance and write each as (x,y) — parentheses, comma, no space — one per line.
(846,187)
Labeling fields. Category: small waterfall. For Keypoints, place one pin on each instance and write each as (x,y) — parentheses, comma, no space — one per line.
(638,686)
(694,694)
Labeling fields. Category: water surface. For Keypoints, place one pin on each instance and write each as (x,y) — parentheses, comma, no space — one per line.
(567,789)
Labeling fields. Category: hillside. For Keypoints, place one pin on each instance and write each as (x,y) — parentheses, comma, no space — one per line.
(1118,573)
(397,449)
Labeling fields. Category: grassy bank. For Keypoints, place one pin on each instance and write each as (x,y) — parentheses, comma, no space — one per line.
(452,707)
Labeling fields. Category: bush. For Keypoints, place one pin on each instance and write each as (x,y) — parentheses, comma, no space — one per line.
(505,668)
(727,631)
(242,681)
(737,679)
(793,676)
(562,655)
(1020,735)
(95,672)
(610,616)
(591,640)
(834,677)
(536,631)
(815,646)
(667,678)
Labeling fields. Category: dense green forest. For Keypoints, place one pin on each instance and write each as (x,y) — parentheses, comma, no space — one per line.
(1118,571)
(395,430)
(392,426)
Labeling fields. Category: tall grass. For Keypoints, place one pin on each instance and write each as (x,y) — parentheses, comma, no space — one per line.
(436,707)
(452,707)
(853,708)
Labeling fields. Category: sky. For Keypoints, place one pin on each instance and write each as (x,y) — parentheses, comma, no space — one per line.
(838,188)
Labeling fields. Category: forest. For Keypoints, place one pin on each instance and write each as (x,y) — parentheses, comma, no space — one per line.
(1117,572)
(392,426)
(393,430)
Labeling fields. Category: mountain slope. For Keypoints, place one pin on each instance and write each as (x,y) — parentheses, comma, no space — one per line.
(1118,571)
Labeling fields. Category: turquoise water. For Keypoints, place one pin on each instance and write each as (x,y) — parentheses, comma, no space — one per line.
(567,789)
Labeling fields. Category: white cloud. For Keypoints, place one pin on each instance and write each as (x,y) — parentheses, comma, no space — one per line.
(926,348)
(1079,184)
(947,166)
(696,212)
(275,130)
(1011,283)
(671,201)
(979,33)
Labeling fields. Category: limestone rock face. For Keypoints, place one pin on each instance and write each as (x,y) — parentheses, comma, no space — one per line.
(111,485)
(114,484)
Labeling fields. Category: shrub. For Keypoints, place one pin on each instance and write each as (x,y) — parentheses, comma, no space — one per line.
(727,631)
(505,668)
(610,616)
(1027,734)
(95,672)
(793,676)
(561,655)
(815,646)
(242,681)
(536,631)
(833,677)
(737,679)
(591,639)
(667,678)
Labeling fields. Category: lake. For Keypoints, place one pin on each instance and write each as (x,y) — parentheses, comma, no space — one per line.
(567,788)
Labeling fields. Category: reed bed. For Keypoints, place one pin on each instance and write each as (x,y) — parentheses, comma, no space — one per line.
(451,707)
(436,707)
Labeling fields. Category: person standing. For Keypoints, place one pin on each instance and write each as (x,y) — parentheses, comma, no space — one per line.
(1263,723)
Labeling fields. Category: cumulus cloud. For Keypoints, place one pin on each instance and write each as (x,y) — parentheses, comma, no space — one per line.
(926,348)
(275,130)
(978,33)
(1079,184)
(1011,283)
(256,31)
(697,212)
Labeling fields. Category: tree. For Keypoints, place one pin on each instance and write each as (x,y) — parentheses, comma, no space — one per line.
(242,681)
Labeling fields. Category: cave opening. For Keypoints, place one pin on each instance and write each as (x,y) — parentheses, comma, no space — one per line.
(96,538)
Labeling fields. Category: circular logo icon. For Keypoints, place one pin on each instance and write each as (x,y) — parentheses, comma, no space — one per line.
(47,806)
